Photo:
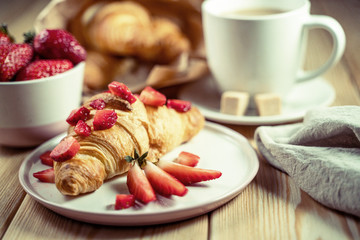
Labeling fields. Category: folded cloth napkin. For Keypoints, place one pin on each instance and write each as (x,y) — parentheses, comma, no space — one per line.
(322,154)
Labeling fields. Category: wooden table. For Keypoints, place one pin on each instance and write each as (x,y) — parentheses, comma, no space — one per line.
(271,207)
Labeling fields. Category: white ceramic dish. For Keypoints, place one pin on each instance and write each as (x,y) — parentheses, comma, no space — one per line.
(303,97)
(219,148)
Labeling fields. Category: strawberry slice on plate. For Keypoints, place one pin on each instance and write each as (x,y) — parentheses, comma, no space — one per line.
(162,182)
(152,97)
(46,175)
(65,150)
(139,185)
(123,201)
(46,159)
(188,175)
(188,159)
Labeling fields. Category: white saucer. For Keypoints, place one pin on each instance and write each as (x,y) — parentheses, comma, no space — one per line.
(233,156)
(303,97)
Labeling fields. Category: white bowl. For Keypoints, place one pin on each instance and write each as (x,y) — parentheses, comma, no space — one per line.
(34,111)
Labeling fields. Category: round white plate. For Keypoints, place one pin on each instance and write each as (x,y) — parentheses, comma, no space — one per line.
(219,148)
(303,97)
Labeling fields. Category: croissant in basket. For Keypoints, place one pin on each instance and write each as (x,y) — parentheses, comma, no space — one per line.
(128,124)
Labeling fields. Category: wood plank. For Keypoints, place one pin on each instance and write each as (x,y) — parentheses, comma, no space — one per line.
(46,224)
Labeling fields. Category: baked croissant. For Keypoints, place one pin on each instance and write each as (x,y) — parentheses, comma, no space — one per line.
(101,156)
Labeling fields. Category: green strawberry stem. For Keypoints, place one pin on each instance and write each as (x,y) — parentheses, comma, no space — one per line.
(140,159)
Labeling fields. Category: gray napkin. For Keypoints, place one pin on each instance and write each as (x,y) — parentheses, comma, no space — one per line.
(322,155)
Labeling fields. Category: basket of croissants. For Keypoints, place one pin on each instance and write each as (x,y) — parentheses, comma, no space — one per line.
(138,42)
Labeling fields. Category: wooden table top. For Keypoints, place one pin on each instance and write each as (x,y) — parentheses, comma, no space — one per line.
(270,207)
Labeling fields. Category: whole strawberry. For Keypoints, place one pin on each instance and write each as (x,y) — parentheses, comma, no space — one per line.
(44,68)
(13,57)
(4,35)
(59,44)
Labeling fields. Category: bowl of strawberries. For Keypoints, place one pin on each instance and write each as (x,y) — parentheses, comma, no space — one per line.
(41,81)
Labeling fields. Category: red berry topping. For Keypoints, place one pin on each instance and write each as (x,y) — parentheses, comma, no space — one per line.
(121,90)
(150,96)
(81,113)
(179,105)
(98,104)
(123,201)
(65,150)
(82,129)
(59,44)
(104,119)
(44,68)
(13,57)
(46,175)
(46,159)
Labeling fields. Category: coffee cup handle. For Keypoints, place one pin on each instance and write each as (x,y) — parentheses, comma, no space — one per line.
(339,41)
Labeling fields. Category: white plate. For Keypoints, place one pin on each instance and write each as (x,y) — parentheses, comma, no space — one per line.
(219,148)
(303,97)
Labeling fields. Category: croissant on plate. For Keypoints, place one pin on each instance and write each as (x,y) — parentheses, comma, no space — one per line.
(101,156)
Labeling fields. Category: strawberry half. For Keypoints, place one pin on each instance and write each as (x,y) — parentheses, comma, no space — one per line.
(65,150)
(150,96)
(44,68)
(121,90)
(46,175)
(188,159)
(59,44)
(81,113)
(46,159)
(104,119)
(179,105)
(82,129)
(162,182)
(13,57)
(123,201)
(139,185)
(188,175)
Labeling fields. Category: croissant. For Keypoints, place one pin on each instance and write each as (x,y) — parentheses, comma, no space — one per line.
(101,156)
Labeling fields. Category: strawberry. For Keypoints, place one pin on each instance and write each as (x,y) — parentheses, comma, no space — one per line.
(46,159)
(81,113)
(123,201)
(179,105)
(188,175)
(13,57)
(46,175)
(59,44)
(82,129)
(43,68)
(98,104)
(104,119)
(4,35)
(139,185)
(188,159)
(162,182)
(121,90)
(65,150)
(150,96)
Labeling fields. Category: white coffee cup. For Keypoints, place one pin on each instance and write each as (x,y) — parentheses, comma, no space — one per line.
(263,53)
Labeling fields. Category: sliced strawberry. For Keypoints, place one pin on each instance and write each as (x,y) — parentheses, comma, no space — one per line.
(65,150)
(44,68)
(162,182)
(46,159)
(121,90)
(98,104)
(188,159)
(188,175)
(46,175)
(104,119)
(123,201)
(150,96)
(81,113)
(139,185)
(179,105)
(82,129)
